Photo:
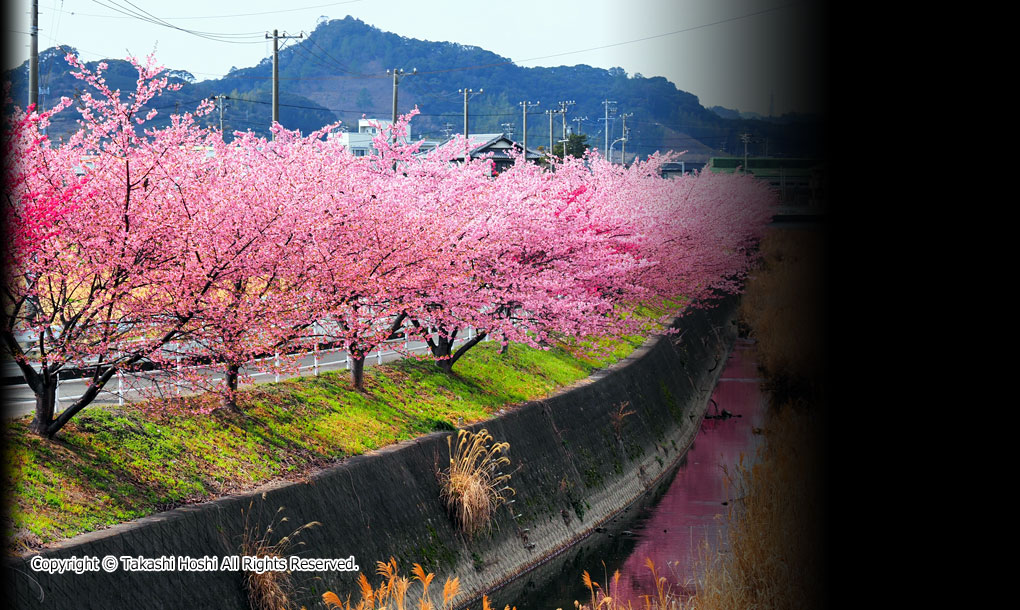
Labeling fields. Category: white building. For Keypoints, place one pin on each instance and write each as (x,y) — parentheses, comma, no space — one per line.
(360,142)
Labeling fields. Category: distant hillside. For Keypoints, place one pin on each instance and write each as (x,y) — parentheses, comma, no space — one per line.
(731,113)
(726,113)
(339,72)
(253,107)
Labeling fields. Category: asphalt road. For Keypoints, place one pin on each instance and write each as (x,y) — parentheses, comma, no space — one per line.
(18,400)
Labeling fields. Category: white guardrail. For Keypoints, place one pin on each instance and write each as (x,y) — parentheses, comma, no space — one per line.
(315,367)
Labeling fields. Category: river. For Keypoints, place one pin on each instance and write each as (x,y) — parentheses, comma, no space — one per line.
(671,522)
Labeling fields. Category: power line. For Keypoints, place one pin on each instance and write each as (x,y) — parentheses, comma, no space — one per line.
(49,68)
(662,142)
(322,108)
(312,57)
(338,63)
(65,48)
(288,10)
(62,47)
(617,44)
(690,29)
(178,103)
(145,16)
(218,37)
(160,21)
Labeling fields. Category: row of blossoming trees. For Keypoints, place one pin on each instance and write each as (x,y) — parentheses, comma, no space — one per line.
(171,245)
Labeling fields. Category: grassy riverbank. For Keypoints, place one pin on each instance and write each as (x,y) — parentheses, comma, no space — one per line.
(112,464)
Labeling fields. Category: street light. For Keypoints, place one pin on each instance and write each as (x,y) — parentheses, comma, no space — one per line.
(614,144)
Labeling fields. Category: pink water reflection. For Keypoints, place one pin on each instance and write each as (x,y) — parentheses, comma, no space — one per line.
(692,508)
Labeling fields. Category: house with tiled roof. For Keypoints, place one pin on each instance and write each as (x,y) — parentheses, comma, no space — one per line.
(499,146)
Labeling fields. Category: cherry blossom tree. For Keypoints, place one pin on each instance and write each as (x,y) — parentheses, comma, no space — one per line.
(37,193)
(529,257)
(256,212)
(700,229)
(173,244)
(385,219)
(112,282)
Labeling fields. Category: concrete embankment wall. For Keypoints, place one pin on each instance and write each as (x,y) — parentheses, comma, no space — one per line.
(575,461)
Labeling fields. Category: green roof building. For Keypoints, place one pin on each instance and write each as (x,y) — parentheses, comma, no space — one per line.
(798,180)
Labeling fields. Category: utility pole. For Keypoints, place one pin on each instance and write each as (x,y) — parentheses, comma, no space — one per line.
(526,105)
(276,71)
(397,73)
(467,93)
(579,120)
(33,61)
(219,104)
(550,114)
(623,145)
(508,129)
(563,112)
(607,103)
(745,138)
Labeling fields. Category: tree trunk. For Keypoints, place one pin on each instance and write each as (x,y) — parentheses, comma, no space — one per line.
(447,364)
(357,369)
(442,351)
(231,378)
(443,347)
(45,406)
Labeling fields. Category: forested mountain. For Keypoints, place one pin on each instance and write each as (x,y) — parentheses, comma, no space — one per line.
(339,72)
(251,107)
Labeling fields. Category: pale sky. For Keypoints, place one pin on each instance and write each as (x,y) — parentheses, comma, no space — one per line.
(732,53)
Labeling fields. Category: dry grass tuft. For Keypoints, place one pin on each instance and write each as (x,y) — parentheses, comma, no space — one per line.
(775,543)
(391,592)
(270,590)
(664,598)
(472,487)
(618,417)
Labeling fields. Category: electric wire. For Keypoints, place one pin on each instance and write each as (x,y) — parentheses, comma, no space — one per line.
(143,15)
(288,10)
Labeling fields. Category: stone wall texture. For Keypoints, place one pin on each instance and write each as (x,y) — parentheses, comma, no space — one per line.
(575,463)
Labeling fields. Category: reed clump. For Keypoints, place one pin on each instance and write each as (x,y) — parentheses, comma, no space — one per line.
(665,597)
(473,487)
(271,589)
(776,530)
(391,593)
(785,310)
(775,538)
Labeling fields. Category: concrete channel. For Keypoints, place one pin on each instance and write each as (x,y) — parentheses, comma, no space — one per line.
(575,464)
